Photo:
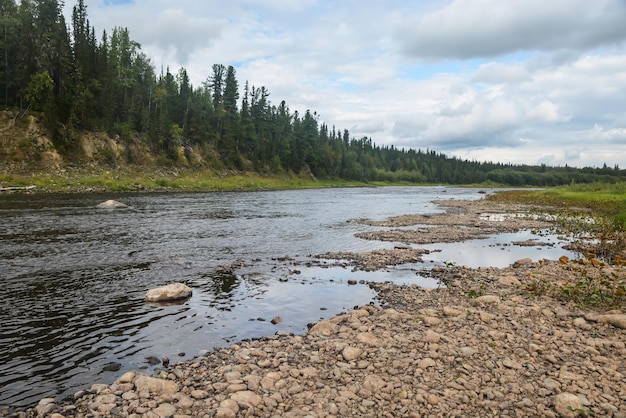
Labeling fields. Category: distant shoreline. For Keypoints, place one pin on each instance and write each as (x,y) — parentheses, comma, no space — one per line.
(175,181)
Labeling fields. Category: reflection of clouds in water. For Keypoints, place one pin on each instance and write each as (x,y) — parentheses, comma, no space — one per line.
(402,275)
(497,251)
(300,302)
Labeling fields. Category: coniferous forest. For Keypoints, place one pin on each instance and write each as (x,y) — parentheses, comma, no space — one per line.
(82,81)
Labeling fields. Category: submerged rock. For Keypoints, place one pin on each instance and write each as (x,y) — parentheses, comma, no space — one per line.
(173,291)
(112,367)
(111,204)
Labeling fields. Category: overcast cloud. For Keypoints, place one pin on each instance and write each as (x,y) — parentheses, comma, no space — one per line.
(520,81)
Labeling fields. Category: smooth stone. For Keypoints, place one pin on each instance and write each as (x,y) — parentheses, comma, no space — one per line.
(173,291)
(511,364)
(106,399)
(111,367)
(373,383)
(509,281)
(246,397)
(426,363)
(45,407)
(566,404)
(165,410)
(368,338)
(522,262)
(324,328)
(155,385)
(126,378)
(551,384)
(431,321)
(617,320)
(230,404)
(185,402)
(582,324)
(225,413)
(431,337)
(488,299)
(467,351)
(111,204)
(351,353)
(98,387)
(449,311)
(199,394)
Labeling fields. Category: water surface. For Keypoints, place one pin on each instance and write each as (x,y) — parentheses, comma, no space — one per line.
(73,277)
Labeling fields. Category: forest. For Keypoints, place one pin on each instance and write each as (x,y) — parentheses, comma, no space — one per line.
(80,82)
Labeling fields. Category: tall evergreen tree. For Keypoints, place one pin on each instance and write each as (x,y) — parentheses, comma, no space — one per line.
(8,51)
(228,143)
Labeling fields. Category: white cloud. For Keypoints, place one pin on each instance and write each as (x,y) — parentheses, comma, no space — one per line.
(499,73)
(182,33)
(414,74)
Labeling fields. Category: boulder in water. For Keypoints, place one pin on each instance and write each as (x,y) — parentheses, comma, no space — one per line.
(111,204)
(112,367)
(171,292)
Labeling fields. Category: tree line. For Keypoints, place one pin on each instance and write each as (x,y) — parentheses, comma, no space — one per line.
(83,82)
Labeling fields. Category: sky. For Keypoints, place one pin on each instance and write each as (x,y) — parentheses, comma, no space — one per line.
(515,81)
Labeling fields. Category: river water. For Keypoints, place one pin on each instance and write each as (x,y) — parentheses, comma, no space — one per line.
(73,277)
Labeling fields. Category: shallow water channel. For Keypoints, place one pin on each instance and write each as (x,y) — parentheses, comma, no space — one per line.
(73,277)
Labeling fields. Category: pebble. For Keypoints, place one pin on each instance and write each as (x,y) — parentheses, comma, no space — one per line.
(507,353)
(351,353)
(568,405)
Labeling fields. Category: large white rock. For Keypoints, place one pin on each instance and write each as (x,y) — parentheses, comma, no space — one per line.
(567,405)
(324,328)
(111,204)
(173,291)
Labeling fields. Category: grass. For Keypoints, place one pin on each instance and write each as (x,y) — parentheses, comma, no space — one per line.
(174,180)
(594,216)
(602,199)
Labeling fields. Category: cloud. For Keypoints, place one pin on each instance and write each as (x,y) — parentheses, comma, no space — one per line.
(182,33)
(518,80)
(467,29)
(501,73)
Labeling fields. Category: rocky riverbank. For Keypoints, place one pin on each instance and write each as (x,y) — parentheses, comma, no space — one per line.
(490,342)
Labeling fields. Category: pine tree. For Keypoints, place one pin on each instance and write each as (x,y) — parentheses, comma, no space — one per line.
(8,42)
(228,143)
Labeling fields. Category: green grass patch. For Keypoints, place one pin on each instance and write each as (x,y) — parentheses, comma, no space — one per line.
(594,216)
(175,180)
(606,200)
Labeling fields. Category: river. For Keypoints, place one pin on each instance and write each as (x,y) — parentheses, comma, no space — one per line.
(73,277)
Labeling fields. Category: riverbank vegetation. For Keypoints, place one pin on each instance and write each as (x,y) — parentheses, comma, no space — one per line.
(594,215)
(602,201)
(167,180)
(73,98)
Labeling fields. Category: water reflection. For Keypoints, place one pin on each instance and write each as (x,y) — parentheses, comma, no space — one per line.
(498,250)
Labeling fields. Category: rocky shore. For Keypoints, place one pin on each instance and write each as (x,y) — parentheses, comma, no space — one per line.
(487,343)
